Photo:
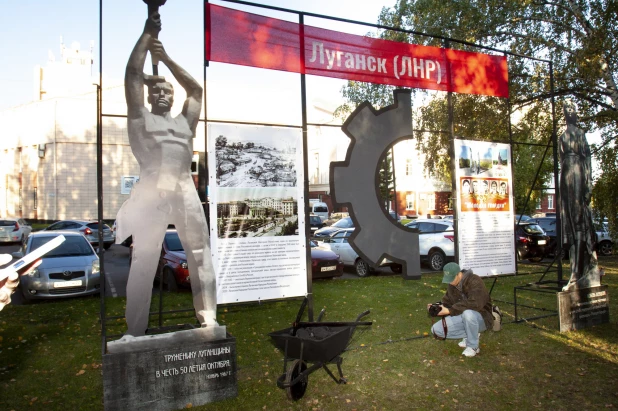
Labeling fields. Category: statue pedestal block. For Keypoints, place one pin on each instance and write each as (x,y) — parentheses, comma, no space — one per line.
(582,308)
(170,371)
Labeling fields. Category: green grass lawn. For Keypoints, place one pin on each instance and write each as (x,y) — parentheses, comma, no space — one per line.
(50,353)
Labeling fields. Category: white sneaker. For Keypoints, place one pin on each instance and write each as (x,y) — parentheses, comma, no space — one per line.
(463,342)
(470,352)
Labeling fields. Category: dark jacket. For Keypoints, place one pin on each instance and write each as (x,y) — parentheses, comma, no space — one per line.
(469,294)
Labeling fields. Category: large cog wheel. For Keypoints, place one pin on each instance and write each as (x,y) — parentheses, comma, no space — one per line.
(354,183)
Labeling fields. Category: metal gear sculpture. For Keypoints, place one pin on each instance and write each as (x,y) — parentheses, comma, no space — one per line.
(354,184)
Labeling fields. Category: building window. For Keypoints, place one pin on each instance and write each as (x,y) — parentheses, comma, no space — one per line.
(410,202)
(538,203)
(408,166)
(550,202)
(431,201)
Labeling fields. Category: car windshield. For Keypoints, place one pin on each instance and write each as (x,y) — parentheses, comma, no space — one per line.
(320,209)
(6,223)
(313,244)
(173,242)
(72,246)
(315,220)
(344,223)
(532,229)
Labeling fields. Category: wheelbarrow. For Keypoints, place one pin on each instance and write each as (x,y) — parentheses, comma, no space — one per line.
(320,343)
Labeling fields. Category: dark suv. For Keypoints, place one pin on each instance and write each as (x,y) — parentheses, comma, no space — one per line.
(532,242)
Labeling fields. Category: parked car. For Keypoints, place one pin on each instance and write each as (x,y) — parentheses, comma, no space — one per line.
(436,241)
(127,241)
(531,242)
(69,270)
(338,243)
(315,222)
(90,230)
(605,244)
(521,218)
(14,230)
(548,224)
(334,217)
(324,262)
(173,268)
(539,215)
(323,232)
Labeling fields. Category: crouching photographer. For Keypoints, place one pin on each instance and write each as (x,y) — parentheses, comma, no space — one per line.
(466,309)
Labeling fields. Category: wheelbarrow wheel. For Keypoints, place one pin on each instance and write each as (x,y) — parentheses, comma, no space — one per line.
(295,392)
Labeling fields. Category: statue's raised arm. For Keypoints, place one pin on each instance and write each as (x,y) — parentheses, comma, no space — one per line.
(193,104)
(134,74)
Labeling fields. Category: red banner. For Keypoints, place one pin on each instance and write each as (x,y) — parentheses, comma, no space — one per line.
(237,37)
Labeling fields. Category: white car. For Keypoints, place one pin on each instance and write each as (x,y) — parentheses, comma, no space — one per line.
(436,241)
(338,243)
(14,230)
(605,244)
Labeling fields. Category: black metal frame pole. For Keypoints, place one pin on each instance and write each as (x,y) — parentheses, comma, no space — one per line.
(100,182)
(508,114)
(556,173)
(303,101)
(452,138)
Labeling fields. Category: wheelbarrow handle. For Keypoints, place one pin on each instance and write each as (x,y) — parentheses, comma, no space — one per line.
(299,316)
(304,324)
(361,315)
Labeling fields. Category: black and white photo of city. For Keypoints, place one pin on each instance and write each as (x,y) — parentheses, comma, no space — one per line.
(256,156)
(249,213)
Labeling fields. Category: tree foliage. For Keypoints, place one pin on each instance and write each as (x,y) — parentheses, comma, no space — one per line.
(579,37)
(386,180)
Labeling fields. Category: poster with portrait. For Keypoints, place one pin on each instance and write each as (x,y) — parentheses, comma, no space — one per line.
(485,207)
(256,212)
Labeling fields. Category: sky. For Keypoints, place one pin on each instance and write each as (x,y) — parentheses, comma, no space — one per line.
(29,29)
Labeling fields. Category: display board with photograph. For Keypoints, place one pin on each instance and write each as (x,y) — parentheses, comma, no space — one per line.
(256,212)
(485,207)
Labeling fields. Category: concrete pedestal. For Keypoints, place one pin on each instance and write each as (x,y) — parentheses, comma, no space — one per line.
(170,371)
(582,308)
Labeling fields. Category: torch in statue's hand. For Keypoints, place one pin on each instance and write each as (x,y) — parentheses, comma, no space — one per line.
(154,23)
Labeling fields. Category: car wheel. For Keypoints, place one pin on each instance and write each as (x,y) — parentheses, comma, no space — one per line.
(396,268)
(170,280)
(437,259)
(362,268)
(519,256)
(605,248)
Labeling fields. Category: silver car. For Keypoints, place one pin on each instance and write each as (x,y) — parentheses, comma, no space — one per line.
(71,269)
(338,243)
(90,230)
(14,230)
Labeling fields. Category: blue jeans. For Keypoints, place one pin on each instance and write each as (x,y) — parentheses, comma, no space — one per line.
(468,325)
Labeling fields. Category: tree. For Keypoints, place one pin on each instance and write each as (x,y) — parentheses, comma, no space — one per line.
(579,37)
(386,180)
(220,142)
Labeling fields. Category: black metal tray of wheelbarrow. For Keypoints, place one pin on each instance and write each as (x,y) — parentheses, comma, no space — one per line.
(320,343)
